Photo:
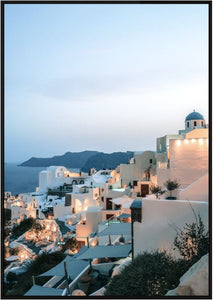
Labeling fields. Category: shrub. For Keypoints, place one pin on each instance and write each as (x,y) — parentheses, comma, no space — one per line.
(149,274)
(24,226)
(7,215)
(14,251)
(153,274)
(193,241)
(11,277)
(157,191)
(171,185)
(71,244)
(45,261)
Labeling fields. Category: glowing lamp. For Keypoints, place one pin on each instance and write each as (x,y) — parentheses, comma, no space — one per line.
(178,142)
(186,141)
(193,140)
(200,141)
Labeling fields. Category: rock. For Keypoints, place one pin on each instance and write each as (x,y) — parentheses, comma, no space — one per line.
(78,293)
(195,281)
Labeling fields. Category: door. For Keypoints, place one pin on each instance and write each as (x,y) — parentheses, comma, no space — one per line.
(144,190)
(108,203)
(109,216)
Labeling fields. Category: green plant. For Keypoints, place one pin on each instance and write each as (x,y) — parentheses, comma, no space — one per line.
(71,244)
(193,241)
(157,191)
(149,274)
(37,227)
(24,226)
(14,251)
(11,277)
(171,185)
(7,215)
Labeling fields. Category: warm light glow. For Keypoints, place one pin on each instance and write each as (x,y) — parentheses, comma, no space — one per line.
(193,140)
(48,226)
(178,142)
(200,141)
(207,141)
(186,141)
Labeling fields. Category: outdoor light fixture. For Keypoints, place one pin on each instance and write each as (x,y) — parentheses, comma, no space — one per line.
(200,141)
(178,142)
(193,140)
(186,141)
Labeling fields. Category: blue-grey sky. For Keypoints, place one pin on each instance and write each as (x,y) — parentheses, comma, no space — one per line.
(101,77)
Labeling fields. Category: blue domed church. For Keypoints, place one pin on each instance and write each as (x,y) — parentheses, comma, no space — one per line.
(184,156)
(194,120)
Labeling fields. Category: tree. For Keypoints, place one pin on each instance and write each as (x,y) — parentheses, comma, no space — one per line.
(157,191)
(14,251)
(70,244)
(149,274)
(24,226)
(193,241)
(37,227)
(171,185)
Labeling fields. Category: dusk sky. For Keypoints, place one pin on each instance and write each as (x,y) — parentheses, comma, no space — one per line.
(101,77)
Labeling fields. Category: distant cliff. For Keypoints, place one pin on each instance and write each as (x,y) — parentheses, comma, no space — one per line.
(68,160)
(83,160)
(106,161)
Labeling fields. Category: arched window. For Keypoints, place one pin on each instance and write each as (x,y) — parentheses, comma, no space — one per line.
(195,123)
(201,123)
(187,124)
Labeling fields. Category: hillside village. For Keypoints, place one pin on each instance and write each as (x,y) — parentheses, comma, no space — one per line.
(103,219)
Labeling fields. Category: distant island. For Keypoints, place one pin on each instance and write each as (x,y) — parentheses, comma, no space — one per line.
(84,160)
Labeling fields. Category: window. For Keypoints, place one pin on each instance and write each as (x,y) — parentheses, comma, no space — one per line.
(102,199)
(150,161)
(201,123)
(195,123)
(187,124)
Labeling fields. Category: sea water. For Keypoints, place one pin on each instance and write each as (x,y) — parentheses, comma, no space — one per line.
(23,179)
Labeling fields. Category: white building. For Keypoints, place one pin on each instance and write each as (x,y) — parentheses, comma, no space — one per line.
(184,157)
(156,229)
(56,176)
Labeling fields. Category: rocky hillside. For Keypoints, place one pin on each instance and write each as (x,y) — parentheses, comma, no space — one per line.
(68,160)
(106,161)
(83,160)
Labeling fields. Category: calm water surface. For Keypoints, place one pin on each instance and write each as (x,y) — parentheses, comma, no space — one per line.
(20,179)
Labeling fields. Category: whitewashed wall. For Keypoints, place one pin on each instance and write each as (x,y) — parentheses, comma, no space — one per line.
(157,216)
(197,191)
